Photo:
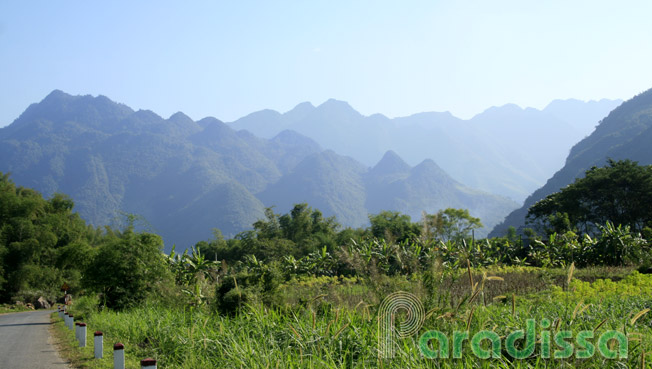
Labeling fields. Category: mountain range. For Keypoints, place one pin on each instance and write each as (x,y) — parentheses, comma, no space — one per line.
(626,133)
(185,177)
(505,150)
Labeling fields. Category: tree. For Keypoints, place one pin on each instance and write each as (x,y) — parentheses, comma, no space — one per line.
(38,238)
(620,192)
(393,226)
(451,224)
(127,268)
(214,248)
(300,232)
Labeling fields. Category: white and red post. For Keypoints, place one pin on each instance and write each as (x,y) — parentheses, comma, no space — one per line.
(118,356)
(81,329)
(148,363)
(98,344)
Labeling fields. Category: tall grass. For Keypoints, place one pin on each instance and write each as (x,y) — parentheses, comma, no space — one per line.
(322,332)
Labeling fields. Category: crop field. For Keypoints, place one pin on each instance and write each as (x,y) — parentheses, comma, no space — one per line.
(330,322)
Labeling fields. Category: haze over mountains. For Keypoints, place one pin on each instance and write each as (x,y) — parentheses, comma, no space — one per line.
(186,177)
(505,150)
(626,133)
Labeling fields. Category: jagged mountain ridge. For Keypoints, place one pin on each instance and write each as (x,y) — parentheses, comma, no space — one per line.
(340,185)
(186,177)
(110,158)
(626,133)
(505,150)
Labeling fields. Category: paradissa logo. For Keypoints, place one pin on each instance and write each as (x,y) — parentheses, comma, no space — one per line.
(486,344)
(583,347)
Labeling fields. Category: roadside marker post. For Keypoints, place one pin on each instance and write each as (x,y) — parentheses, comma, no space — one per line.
(148,363)
(118,356)
(98,344)
(71,322)
(81,328)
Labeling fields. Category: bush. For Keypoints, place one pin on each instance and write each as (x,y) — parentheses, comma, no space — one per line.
(85,306)
(256,283)
(618,245)
(30,296)
(127,269)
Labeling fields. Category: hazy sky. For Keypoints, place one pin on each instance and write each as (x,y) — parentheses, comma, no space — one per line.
(227,59)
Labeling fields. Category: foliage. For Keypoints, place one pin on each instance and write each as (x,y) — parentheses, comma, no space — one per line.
(393,226)
(635,284)
(255,282)
(614,245)
(193,273)
(299,233)
(324,333)
(42,242)
(127,268)
(620,193)
(618,245)
(451,224)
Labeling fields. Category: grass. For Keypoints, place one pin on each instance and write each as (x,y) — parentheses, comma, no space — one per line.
(10,308)
(84,357)
(331,323)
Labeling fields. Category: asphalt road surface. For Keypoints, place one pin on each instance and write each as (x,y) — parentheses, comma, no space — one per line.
(25,341)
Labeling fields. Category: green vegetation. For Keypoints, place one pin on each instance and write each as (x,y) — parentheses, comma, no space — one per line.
(619,193)
(625,134)
(10,308)
(300,291)
(127,268)
(42,243)
(186,177)
(451,224)
(324,331)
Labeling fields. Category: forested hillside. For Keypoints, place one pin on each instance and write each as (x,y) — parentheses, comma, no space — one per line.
(626,133)
(504,150)
(183,178)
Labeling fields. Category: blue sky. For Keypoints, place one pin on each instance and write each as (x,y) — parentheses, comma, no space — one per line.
(227,59)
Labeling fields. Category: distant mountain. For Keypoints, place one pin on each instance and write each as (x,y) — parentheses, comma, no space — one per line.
(183,177)
(584,116)
(505,150)
(426,187)
(626,133)
(326,181)
(341,186)
(186,177)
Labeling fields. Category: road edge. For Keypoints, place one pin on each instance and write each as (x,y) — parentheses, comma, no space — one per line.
(64,343)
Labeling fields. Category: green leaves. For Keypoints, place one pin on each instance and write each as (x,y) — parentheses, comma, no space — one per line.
(620,193)
(393,226)
(127,268)
(451,225)
(42,242)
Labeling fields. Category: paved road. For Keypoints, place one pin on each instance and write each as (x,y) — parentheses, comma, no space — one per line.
(25,341)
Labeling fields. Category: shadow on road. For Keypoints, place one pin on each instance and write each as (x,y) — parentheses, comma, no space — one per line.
(22,324)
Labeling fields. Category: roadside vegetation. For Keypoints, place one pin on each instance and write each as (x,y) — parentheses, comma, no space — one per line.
(299,291)
(12,308)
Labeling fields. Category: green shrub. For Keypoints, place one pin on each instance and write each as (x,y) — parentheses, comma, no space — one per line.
(30,296)
(256,283)
(84,307)
(127,269)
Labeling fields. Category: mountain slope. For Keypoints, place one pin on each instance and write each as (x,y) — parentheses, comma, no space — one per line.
(340,186)
(185,178)
(326,181)
(426,187)
(624,134)
(505,150)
